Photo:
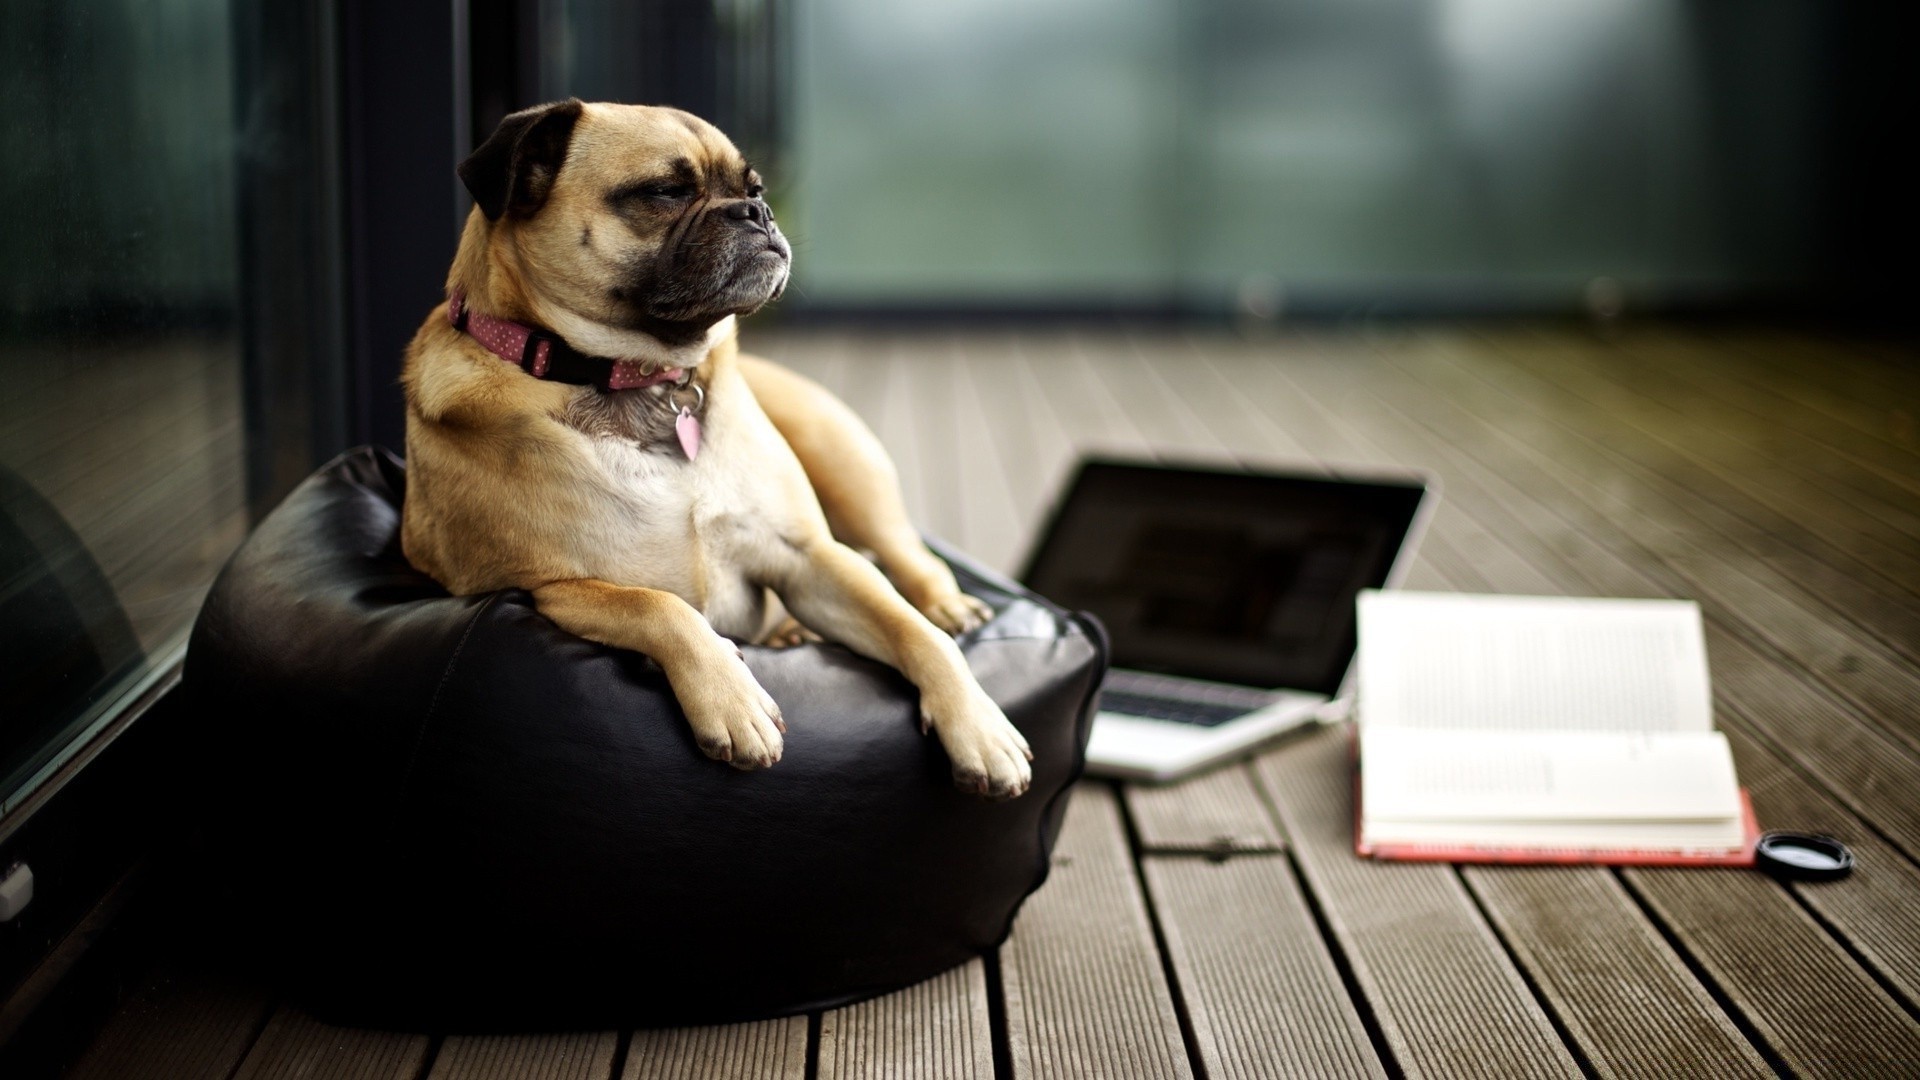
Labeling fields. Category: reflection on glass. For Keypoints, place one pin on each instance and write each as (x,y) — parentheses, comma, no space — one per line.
(121,443)
(1251,154)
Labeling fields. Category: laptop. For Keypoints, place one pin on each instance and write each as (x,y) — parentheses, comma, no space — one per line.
(1228,594)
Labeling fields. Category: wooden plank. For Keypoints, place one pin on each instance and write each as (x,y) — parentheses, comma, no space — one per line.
(1870,391)
(1050,385)
(1823,509)
(985,459)
(1085,991)
(966,487)
(295,1046)
(1793,548)
(1718,423)
(1444,993)
(1565,533)
(830,364)
(1810,1003)
(1218,811)
(806,352)
(1625,997)
(1591,954)
(1627,1000)
(855,370)
(1879,363)
(1835,749)
(1529,505)
(1043,454)
(577,1055)
(1262,993)
(180,1025)
(928,403)
(1865,908)
(938,1028)
(1021,433)
(1132,372)
(1260,379)
(1248,430)
(1569,977)
(1742,673)
(1577,959)
(1569,427)
(889,366)
(1082,406)
(1794,387)
(1758,689)
(768,1050)
(1873,908)
(1857,762)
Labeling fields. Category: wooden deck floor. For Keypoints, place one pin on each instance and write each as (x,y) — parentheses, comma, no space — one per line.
(1222,927)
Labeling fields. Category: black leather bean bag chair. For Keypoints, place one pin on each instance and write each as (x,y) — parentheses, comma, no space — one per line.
(466,818)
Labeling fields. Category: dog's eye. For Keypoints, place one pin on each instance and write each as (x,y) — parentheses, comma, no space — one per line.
(754,191)
(668,191)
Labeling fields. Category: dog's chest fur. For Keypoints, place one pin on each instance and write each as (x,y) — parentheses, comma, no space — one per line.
(642,417)
(705,529)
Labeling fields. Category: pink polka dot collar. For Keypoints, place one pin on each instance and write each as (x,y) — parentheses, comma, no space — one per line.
(544,356)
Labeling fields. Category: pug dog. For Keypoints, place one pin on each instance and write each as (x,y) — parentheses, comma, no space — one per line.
(582,425)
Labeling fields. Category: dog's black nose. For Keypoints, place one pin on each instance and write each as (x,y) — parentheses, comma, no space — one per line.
(748,210)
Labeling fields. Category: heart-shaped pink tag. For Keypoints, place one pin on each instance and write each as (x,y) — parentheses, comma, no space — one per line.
(687,426)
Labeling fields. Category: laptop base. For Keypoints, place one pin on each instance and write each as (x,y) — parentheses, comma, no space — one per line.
(1138,748)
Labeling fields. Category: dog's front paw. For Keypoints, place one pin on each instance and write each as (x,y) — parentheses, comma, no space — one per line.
(956,612)
(733,719)
(990,756)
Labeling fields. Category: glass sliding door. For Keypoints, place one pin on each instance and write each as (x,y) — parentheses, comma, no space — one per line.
(987,152)
(1442,155)
(140,238)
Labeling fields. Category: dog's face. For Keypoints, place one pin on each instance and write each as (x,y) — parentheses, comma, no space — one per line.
(636,217)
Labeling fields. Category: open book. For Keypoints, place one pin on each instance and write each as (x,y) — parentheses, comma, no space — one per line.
(1541,729)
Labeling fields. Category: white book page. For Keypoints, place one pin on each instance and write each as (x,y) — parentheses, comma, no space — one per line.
(1407,774)
(1528,663)
(1682,836)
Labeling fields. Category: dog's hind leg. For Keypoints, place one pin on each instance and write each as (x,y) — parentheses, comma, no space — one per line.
(859,489)
(733,719)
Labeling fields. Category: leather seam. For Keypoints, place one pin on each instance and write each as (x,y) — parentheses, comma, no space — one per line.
(433,706)
(1095,636)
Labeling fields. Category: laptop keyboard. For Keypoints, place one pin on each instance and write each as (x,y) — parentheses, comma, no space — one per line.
(1181,700)
(1205,714)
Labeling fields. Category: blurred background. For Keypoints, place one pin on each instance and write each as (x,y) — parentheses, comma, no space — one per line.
(1266,158)
(225,218)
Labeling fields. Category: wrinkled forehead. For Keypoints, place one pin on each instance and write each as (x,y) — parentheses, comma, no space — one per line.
(629,141)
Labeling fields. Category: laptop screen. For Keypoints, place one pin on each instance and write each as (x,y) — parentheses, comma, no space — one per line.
(1236,577)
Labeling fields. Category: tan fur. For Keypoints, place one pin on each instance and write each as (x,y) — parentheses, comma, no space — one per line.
(641,549)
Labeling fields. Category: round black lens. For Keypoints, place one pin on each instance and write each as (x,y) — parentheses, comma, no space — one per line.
(1803,857)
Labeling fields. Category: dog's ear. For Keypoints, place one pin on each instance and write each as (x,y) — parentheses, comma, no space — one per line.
(513,171)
